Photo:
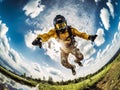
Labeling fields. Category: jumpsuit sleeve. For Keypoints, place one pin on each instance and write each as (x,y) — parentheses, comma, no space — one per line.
(46,36)
(80,34)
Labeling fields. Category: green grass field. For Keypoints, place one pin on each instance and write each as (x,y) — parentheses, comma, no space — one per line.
(85,83)
(78,86)
(72,86)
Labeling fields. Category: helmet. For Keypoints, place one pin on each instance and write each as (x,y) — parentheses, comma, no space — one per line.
(60,23)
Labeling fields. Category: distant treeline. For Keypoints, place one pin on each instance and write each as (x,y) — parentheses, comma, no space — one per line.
(29,80)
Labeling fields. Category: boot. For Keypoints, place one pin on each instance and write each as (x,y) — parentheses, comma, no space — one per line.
(73,70)
(80,64)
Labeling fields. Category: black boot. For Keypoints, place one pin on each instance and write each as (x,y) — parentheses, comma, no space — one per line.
(80,64)
(73,70)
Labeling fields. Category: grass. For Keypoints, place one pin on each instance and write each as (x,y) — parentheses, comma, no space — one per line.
(111,81)
(84,84)
(73,86)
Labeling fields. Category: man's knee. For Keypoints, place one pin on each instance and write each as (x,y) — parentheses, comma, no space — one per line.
(64,62)
(80,56)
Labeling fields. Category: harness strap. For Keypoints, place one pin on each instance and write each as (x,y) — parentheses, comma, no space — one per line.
(70,33)
(71,36)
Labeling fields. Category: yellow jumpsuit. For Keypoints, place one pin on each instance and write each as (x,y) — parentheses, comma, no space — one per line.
(66,49)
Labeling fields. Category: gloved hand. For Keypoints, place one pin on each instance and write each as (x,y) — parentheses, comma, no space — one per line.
(92,37)
(38,42)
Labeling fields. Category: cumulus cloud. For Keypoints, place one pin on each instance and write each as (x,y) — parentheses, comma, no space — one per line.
(88,50)
(105,16)
(103,56)
(119,26)
(14,61)
(54,71)
(86,47)
(89,61)
(100,38)
(33,8)
(111,8)
(117,35)
(36,67)
(109,51)
(29,37)
(8,53)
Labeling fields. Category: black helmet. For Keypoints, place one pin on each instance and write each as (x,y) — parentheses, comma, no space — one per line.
(60,22)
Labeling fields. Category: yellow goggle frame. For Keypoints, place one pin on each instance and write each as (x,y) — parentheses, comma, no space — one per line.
(60,26)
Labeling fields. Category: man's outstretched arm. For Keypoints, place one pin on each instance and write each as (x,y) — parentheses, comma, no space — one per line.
(43,38)
(83,35)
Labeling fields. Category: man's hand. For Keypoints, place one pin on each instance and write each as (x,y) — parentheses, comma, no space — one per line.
(92,37)
(37,42)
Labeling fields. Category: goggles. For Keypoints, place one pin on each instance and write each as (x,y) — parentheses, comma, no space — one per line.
(60,26)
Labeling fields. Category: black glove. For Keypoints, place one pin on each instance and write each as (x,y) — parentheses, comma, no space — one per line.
(38,42)
(92,37)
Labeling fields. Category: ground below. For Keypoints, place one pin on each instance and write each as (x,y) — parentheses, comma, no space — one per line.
(111,81)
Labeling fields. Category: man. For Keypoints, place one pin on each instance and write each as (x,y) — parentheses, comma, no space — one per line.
(65,35)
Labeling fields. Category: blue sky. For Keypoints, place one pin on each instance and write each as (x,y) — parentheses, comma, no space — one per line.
(21,21)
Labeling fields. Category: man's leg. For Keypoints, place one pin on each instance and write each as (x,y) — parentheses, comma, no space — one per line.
(79,56)
(65,63)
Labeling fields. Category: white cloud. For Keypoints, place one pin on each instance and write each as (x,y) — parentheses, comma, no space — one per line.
(37,67)
(109,51)
(88,50)
(29,37)
(105,16)
(73,19)
(15,60)
(86,47)
(111,8)
(53,49)
(89,62)
(3,30)
(54,71)
(33,8)
(97,1)
(103,56)
(117,36)
(100,38)
(119,26)
(8,53)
